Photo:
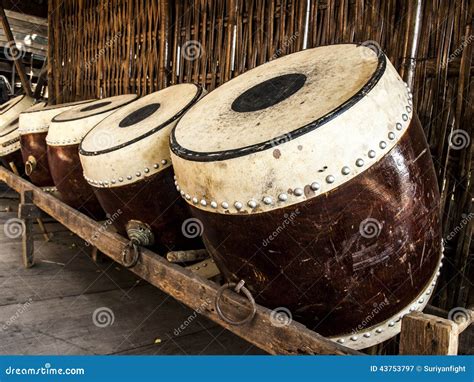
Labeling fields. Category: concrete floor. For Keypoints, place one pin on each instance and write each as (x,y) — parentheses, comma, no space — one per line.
(67,304)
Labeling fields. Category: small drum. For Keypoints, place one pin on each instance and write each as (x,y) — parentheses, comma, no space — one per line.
(10,154)
(64,136)
(126,159)
(315,185)
(10,110)
(34,125)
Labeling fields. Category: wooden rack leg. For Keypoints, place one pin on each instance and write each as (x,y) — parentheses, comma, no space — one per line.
(424,334)
(97,256)
(39,220)
(28,212)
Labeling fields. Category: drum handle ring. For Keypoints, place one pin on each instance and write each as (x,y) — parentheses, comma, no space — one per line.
(132,244)
(237,288)
(30,165)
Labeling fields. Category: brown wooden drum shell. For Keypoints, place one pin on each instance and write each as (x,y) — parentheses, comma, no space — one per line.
(153,201)
(34,145)
(66,171)
(312,259)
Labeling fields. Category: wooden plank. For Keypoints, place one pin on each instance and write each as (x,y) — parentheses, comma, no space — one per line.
(424,334)
(190,289)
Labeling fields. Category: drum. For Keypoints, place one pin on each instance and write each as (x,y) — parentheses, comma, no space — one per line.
(11,109)
(126,159)
(314,183)
(34,125)
(10,154)
(64,136)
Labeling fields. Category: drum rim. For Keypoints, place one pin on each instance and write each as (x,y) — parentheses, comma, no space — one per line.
(47,107)
(216,156)
(20,98)
(96,114)
(178,115)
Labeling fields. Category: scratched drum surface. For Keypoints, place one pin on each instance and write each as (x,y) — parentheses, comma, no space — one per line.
(314,183)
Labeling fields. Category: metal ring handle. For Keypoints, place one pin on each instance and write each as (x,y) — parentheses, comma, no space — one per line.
(136,254)
(30,165)
(237,288)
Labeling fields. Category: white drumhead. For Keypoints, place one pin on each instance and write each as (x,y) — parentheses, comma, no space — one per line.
(10,110)
(95,108)
(245,111)
(290,130)
(133,143)
(9,138)
(141,118)
(69,127)
(38,117)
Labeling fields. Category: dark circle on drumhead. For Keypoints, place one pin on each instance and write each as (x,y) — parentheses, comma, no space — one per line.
(14,122)
(139,115)
(269,93)
(96,106)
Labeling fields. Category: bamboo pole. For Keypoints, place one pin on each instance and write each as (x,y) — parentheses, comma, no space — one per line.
(19,65)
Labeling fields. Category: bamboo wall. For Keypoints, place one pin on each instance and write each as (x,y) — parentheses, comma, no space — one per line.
(101,48)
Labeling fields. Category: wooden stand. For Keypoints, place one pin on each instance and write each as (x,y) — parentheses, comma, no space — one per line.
(421,333)
(424,334)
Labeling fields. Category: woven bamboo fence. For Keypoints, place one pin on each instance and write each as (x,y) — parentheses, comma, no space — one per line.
(101,48)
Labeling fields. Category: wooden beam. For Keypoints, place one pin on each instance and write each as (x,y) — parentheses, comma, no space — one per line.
(191,289)
(19,65)
(424,334)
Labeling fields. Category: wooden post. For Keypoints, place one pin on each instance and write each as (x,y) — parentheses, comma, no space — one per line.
(28,212)
(424,334)
(19,65)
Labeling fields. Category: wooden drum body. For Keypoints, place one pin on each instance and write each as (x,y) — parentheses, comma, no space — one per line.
(64,136)
(34,125)
(314,183)
(126,159)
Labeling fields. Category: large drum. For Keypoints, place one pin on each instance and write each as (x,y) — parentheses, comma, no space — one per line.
(64,136)
(314,182)
(126,159)
(34,125)
(10,153)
